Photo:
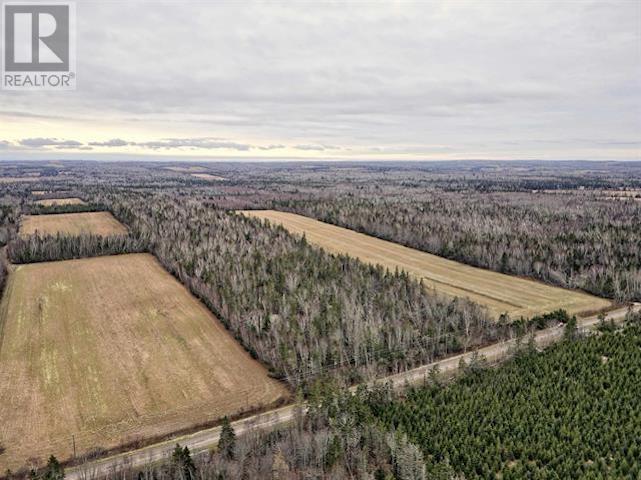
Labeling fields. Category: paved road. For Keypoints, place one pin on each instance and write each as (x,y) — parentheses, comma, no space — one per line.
(205,439)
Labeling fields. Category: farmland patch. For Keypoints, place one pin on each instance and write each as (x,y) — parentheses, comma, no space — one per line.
(498,292)
(109,351)
(95,223)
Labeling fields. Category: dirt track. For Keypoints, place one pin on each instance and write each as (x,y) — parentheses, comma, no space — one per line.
(207,439)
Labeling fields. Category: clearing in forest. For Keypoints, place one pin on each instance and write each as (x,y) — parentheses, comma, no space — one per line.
(208,176)
(500,293)
(60,201)
(189,169)
(113,350)
(95,223)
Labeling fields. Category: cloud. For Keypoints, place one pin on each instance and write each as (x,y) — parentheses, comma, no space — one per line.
(271,147)
(83,147)
(4,145)
(317,148)
(49,142)
(27,115)
(205,143)
(194,143)
(394,75)
(114,142)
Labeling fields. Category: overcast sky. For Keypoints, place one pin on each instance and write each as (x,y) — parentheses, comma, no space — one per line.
(376,80)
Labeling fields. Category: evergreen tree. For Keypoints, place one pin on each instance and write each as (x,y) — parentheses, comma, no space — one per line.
(227,441)
(334,451)
(571,329)
(53,470)
(182,466)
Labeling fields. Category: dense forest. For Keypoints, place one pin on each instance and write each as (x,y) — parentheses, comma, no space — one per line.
(298,309)
(571,412)
(575,241)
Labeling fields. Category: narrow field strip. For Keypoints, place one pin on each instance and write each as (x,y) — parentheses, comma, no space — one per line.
(500,293)
(60,201)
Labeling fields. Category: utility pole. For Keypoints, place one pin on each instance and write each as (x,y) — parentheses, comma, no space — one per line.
(73,440)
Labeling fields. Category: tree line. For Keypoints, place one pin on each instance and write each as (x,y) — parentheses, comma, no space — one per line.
(47,248)
(10,209)
(38,209)
(574,241)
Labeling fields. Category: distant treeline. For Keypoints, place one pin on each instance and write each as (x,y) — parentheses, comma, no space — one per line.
(572,240)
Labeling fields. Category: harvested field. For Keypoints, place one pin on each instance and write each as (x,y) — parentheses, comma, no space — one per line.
(208,176)
(96,223)
(113,350)
(60,201)
(498,292)
(186,169)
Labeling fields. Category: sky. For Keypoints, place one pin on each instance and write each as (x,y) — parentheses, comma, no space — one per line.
(341,80)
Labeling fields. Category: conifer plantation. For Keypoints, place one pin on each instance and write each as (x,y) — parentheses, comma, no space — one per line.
(571,412)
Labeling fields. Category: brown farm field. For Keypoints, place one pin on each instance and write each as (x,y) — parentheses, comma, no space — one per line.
(113,350)
(498,292)
(96,223)
(60,201)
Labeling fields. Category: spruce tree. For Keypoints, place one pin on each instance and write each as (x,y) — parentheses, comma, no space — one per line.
(54,470)
(182,466)
(571,330)
(227,441)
